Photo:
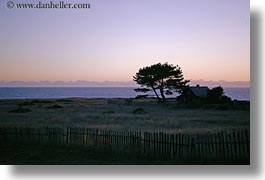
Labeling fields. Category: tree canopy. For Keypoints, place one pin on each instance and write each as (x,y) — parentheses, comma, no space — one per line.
(214,95)
(166,78)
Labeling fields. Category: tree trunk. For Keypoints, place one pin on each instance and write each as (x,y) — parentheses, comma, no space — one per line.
(157,96)
(162,94)
(162,90)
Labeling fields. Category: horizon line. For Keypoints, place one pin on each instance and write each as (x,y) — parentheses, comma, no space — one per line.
(116,83)
(113,84)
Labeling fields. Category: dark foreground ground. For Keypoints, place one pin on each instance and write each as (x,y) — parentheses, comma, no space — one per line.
(112,114)
(73,155)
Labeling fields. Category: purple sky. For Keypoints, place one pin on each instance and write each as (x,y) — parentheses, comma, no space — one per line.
(208,39)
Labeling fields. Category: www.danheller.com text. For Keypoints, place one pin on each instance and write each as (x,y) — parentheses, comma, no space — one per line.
(48,5)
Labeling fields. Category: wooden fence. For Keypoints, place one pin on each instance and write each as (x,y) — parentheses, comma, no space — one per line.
(222,145)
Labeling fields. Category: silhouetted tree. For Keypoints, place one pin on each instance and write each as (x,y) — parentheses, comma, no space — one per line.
(166,78)
(214,95)
(226,100)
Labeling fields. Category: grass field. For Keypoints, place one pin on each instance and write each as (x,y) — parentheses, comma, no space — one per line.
(118,114)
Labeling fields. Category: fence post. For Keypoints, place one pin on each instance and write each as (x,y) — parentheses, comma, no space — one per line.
(247,137)
(226,146)
(220,145)
(235,145)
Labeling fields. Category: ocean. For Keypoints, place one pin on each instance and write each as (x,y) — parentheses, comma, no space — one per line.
(93,92)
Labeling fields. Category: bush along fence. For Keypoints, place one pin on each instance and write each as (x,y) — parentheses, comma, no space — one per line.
(225,145)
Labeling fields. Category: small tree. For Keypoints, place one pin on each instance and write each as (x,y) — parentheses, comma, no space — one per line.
(214,95)
(166,78)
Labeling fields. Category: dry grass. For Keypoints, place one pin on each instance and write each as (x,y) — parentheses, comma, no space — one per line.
(118,114)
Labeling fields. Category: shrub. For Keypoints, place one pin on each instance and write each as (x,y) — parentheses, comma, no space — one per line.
(226,100)
(20,110)
(64,100)
(55,106)
(139,111)
(40,101)
(33,102)
(141,96)
(27,103)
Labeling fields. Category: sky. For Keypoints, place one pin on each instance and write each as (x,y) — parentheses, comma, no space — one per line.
(208,39)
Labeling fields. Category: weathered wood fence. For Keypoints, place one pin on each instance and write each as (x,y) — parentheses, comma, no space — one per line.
(231,145)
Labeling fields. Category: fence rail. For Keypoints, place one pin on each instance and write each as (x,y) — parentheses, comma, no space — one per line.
(230,145)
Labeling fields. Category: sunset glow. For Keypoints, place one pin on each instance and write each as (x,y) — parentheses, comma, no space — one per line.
(208,39)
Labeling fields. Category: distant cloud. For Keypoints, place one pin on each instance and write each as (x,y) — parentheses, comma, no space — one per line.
(113,84)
